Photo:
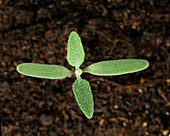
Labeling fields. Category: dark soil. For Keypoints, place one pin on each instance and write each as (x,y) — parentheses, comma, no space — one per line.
(135,104)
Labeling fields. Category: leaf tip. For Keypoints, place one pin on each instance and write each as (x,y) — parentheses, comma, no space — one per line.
(147,63)
(73,32)
(18,68)
(89,115)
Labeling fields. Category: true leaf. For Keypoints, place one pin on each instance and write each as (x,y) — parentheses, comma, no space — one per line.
(84,97)
(75,51)
(116,67)
(43,70)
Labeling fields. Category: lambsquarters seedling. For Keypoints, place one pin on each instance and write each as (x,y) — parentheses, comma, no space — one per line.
(81,87)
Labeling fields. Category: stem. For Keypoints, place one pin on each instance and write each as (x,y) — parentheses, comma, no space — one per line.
(78,73)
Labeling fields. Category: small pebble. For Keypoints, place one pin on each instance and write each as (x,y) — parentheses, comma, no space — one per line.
(115,106)
(46,120)
(144,124)
(165,132)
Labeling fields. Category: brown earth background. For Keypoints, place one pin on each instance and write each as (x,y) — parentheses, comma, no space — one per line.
(37,31)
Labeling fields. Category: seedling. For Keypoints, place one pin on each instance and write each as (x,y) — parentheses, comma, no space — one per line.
(81,87)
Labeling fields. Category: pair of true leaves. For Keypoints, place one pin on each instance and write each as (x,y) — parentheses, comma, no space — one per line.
(81,87)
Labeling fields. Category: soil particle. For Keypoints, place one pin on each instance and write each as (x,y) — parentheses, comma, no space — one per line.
(46,120)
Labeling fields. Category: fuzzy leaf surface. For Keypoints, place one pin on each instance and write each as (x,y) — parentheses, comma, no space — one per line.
(43,70)
(75,51)
(84,97)
(116,67)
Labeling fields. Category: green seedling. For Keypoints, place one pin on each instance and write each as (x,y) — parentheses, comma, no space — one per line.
(81,87)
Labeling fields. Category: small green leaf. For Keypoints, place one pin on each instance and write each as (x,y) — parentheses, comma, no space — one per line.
(116,67)
(75,51)
(43,70)
(84,97)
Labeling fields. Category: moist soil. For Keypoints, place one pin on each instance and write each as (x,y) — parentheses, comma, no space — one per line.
(37,31)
